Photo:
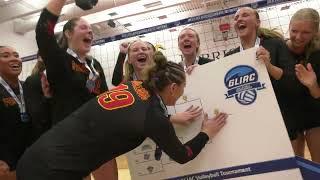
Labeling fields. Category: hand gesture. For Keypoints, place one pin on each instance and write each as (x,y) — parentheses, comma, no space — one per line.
(124,47)
(189,69)
(186,117)
(4,168)
(264,56)
(306,76)
(213,125)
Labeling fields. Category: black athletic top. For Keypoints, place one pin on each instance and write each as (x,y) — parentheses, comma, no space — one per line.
(14,133)
(66,75)
(38,106)
(114,123)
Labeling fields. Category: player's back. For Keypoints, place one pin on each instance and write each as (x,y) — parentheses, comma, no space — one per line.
(100,130)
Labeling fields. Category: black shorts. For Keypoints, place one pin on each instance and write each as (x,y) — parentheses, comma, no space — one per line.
(300,117)
(292,121)
(312,113)
(34,172)
(32,166)
(52,175)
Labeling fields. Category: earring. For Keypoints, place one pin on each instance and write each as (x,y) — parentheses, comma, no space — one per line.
(185,97)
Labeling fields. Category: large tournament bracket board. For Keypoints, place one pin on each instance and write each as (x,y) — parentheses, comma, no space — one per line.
(254,144)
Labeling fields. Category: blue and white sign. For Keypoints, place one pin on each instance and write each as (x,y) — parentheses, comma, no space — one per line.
(254,144)
(242,83)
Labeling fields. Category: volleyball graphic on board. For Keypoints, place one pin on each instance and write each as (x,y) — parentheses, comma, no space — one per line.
(242,83)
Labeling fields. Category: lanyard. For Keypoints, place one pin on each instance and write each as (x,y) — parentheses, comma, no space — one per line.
(184,65)
(93,72)
(163,106)
(256,44)
(134,77)
(20,102)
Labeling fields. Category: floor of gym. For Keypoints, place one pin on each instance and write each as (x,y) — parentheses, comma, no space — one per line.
(124,173)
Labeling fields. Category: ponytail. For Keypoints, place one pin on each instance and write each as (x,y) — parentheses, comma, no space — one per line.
(163,73)
(269,33)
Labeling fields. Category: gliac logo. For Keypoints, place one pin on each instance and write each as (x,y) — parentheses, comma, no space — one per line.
(242,82)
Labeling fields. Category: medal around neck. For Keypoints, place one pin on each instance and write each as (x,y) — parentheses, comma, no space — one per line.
(90,84)
(24,117)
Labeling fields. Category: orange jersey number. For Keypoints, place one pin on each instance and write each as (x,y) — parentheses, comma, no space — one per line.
(116,98)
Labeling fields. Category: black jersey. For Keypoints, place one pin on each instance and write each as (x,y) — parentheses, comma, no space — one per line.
(66,75)
(114,123)
(14,133)
(38,106)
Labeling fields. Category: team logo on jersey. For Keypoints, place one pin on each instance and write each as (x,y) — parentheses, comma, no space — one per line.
(242,83)
(140,90)
(9,101)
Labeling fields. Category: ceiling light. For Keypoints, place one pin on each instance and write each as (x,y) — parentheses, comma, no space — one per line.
(111,23)
(127,25)
(149,5)
(162,17)
(113,14)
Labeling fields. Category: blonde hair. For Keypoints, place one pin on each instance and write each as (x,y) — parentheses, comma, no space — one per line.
(269,33)
(128,68)
(312,15)
(264,32)
(197,35)
(38,67)
(128,72)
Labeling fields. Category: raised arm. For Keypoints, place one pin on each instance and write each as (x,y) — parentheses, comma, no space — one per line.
(54,57)
(55,6)
(117,76)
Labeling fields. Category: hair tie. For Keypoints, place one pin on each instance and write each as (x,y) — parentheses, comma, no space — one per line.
(155,78)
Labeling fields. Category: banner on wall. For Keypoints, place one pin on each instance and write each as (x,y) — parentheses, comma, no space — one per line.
(254,144)
(186,21)
(189,20)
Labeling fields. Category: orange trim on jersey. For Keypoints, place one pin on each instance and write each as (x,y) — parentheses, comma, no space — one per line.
(141,91)
(120,87)
(79,68)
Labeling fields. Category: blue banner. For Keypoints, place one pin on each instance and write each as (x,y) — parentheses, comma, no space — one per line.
(245,87)
(204,17)
(243,170)
(190,20)
(309,170)
(29,58)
